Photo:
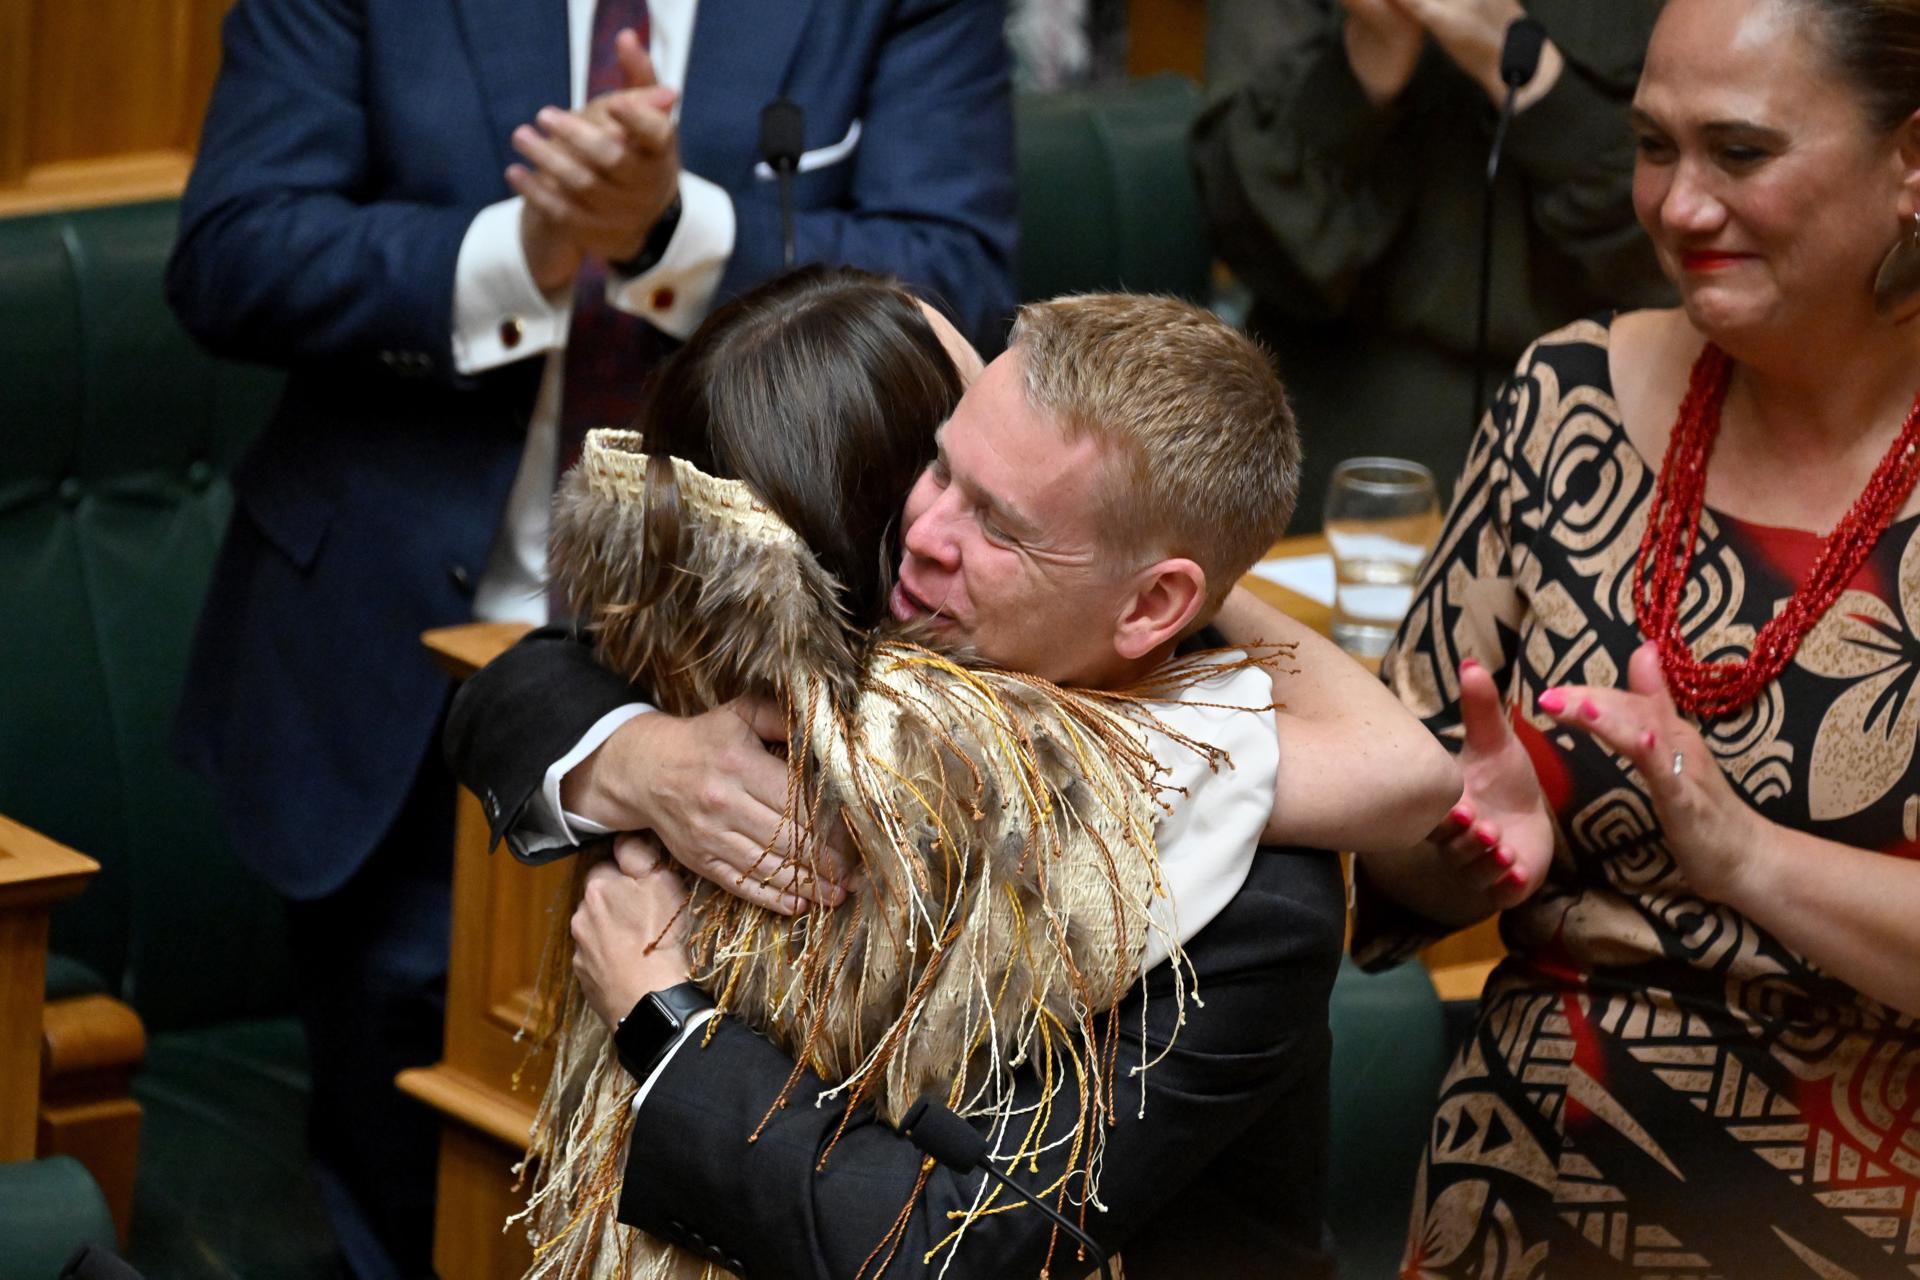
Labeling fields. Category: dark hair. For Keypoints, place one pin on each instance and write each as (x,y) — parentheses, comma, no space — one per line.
(1875,46)
(821,390)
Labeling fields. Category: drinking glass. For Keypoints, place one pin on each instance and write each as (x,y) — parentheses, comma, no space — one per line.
(1382,515)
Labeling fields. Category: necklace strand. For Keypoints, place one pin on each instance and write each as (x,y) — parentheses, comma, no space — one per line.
(1711,689)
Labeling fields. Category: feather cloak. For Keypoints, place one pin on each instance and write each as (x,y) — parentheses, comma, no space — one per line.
(1002,826)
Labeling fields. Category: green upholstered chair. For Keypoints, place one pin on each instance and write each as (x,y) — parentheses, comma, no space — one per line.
(1106,198)
(119,433)
(1389,1052)
(48,1209)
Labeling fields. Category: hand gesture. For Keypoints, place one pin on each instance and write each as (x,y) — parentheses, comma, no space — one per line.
(1710,830)
(1499,838)
(1383,40)
(1472,34)
(716,797)
(601,176)
(629,931)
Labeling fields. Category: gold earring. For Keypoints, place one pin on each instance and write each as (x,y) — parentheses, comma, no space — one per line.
(1899,277)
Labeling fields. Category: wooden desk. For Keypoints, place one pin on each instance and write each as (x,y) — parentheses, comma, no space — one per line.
(35,873)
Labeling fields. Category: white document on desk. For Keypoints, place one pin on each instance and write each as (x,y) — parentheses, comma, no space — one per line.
(1310,576)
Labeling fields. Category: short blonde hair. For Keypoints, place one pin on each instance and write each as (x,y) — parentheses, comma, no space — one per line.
(1205,458)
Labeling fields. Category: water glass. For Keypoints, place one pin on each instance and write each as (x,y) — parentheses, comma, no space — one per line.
(1382,516)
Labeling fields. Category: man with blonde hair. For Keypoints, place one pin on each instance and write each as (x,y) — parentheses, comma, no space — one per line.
(1095,494)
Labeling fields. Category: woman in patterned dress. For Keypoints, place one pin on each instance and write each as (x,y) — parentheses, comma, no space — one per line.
(1702,1056)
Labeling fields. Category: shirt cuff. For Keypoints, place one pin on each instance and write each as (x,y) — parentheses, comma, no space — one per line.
(694,1024)
(499,313)
(545,822)
(675,294)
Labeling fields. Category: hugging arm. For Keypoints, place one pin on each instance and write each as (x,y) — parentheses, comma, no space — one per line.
(705,784)
(1357,770)
(1253,1059)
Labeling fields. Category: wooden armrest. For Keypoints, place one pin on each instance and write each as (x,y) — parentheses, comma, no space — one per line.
(464,649)
(90,1048)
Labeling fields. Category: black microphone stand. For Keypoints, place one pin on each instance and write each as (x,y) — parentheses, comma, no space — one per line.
(1519,60)
(782,138)
(959,1146)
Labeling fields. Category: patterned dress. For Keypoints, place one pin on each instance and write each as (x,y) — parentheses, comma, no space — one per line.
(1657,1087)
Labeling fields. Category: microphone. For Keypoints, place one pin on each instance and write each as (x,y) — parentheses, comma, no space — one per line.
(956,1144)
(1519,60)
(783,136)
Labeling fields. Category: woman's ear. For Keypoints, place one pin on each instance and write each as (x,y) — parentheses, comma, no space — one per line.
(1907,138)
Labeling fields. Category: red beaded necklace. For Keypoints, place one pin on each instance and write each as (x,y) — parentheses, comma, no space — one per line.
(1712,689)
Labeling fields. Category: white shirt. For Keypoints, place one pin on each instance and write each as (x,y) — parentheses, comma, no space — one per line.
(493,290)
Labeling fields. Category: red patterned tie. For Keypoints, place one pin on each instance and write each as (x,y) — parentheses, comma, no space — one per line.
(609,352)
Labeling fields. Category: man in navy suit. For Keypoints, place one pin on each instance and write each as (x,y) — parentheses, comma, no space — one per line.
(352,216)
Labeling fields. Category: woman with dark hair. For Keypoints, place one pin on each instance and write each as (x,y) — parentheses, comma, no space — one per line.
(1676,613)
(1014,839)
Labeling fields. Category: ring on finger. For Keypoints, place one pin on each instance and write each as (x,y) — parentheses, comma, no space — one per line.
(1679,763)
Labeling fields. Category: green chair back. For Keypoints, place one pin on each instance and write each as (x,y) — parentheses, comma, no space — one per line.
(1107,200)
(116,436)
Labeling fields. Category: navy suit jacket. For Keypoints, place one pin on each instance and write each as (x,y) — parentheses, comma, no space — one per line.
(348,146)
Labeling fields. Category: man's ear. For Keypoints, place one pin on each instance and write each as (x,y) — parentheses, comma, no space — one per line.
(1167,597)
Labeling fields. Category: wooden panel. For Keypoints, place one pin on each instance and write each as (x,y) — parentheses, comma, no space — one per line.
(1167,35)
(101,100)
(476,1198)
(16,88)
(139,47)
(488,1081)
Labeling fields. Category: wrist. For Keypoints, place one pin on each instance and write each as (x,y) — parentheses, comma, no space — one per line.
(652,246)
(654,1024)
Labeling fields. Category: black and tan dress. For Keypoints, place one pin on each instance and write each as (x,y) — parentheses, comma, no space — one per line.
(1656,1086)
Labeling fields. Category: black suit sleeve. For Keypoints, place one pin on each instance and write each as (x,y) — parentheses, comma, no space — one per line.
(1231,1152)
(518,714)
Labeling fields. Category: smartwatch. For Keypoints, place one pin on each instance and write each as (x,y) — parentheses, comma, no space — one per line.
(654,247)
(652,1026)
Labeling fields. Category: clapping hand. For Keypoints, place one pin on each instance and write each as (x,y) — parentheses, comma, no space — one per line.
(1710,831)
(1384,38)
(600,177)
(1499,838)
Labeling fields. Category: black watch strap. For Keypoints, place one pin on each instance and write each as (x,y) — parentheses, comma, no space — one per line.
(654,247)
(653,1025)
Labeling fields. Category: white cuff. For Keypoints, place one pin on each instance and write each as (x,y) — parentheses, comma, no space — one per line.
(694,1024)
(545,822)
(675,294)
(499,313)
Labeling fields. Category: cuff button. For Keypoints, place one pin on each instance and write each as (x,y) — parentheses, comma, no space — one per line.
(511,332)
(661,299)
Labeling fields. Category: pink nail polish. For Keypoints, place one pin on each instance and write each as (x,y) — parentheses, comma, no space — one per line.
(1461,814)
(1501,858)
(1469,664)
(1588,710)
(1485,839)
(1514,878)
(1553,702)
(1646,740)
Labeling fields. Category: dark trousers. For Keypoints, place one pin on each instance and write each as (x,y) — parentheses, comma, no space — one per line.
(370,962)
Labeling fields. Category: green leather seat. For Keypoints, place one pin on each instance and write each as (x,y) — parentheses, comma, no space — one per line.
(1106,198)
(1389,1052)
(48,1209)
(119,433)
